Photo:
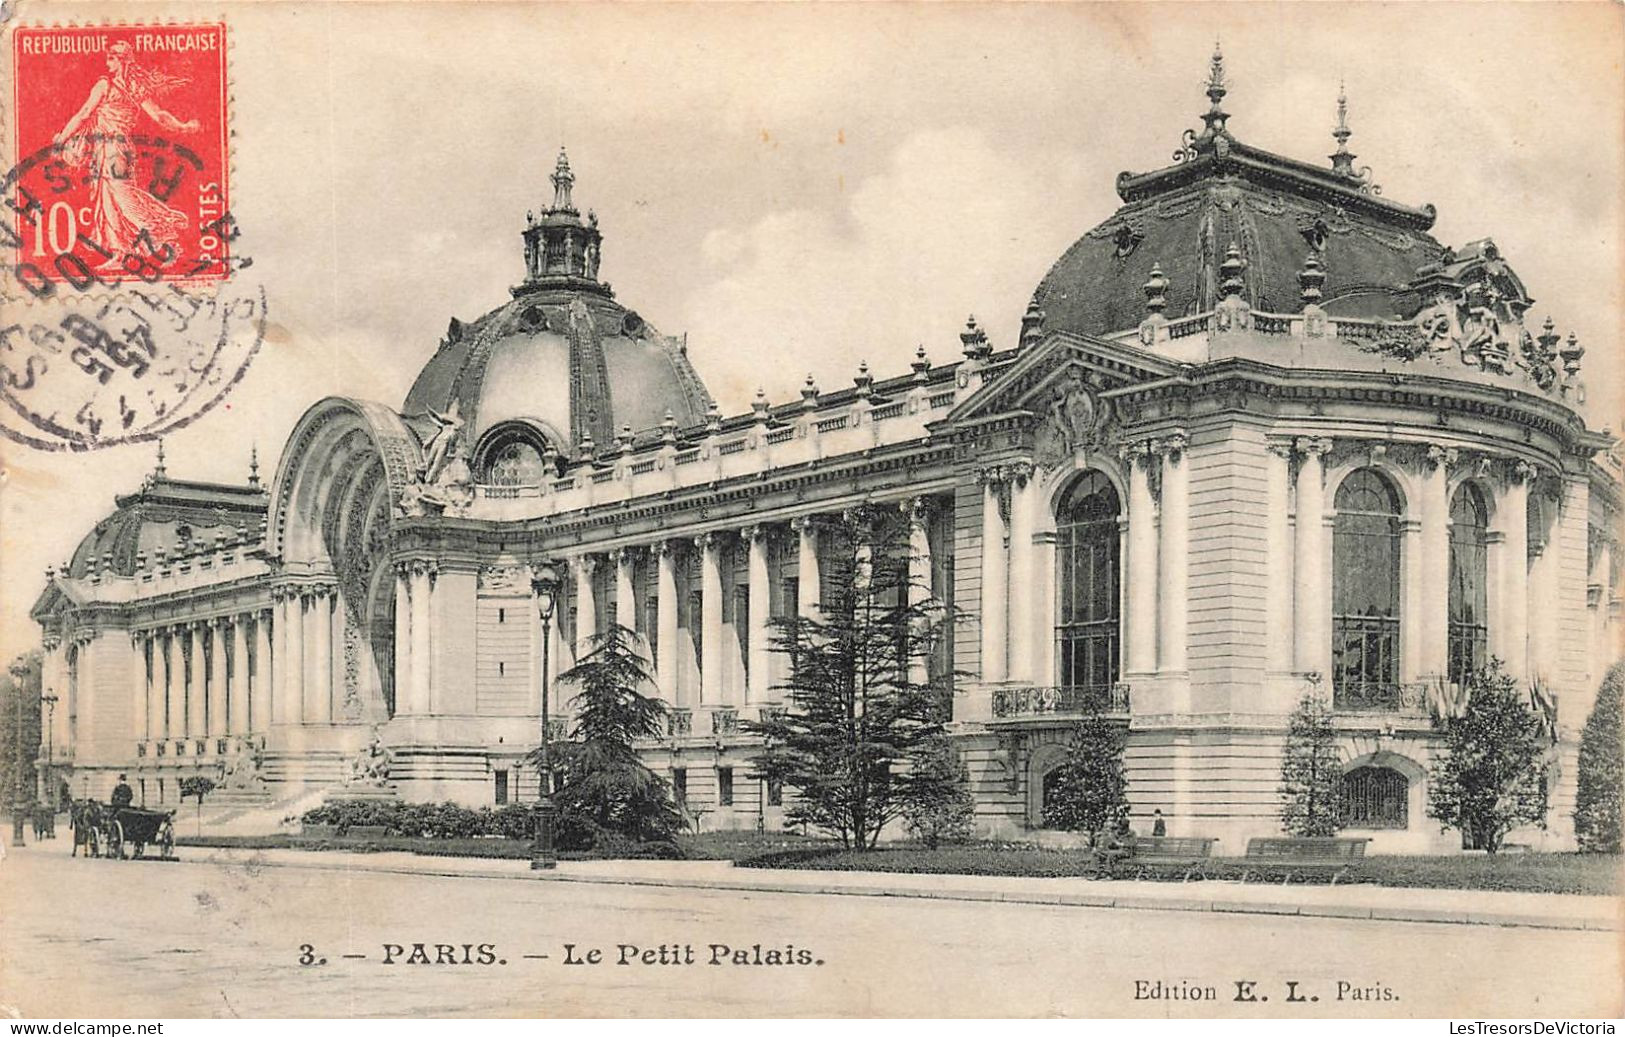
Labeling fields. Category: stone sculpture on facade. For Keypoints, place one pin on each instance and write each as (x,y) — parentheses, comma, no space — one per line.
(370,767)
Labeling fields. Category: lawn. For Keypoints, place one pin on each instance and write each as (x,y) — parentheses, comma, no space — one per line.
(713,846)
(1523,872)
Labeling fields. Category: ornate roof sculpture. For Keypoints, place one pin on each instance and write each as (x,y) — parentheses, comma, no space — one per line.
(1230,224)
(563,356)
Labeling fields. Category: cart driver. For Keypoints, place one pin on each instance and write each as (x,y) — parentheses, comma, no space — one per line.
(123,795)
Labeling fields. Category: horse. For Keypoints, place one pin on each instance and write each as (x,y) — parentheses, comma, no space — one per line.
(86,817)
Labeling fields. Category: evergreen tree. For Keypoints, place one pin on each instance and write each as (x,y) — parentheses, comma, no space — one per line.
(1311,771)
(858,714)
(603,785)
(1597,803)
(941,809)
(1089,792)
(20,690)
(1490,777)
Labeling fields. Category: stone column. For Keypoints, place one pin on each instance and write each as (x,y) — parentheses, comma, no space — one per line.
(1510,640)
(1278,576)
(259,689)
(1023,580)
(1142,561)
(808,590)
(217,677)
(288,684)
(995,607)
(1546,618)
(666,618)
(237,686)
(319,694)
(166,648)
(1311,593)
(422,584)
(759,656)
(197,704)
(918,510)
(403,639)
(586,604)
(147,647)
(1432,566)
(625,561)
(711,676)
(1174,551)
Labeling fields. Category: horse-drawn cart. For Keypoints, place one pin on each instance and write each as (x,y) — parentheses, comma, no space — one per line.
(140,828)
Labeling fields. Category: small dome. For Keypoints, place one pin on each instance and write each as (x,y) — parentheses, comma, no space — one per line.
(177,517)
(563,358)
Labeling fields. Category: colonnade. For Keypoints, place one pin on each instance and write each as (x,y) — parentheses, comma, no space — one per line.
(204,678)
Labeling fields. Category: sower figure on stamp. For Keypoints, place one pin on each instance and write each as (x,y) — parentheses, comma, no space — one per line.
(95,135)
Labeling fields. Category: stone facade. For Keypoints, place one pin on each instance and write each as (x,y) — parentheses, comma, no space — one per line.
(1157,516)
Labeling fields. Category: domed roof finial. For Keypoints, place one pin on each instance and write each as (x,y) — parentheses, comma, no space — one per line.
(1032,322)
(254,466)
(563,180)
(1216,89)
(1231,269)
(1156,291)
(1342,158)
(159,471)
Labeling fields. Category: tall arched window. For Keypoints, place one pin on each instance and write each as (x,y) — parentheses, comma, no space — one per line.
(1088,634)
(1375,797)
(1469,596)
(1365,593)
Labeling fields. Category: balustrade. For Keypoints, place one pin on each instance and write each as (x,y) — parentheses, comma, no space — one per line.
(1075,699)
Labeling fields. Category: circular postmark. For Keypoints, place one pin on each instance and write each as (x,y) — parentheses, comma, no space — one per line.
(110,343)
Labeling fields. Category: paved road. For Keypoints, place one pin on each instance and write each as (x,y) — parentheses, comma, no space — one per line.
(95,938)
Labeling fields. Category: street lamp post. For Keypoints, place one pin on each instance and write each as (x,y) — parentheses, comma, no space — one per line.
(544,584)
(19,802)
(50,700)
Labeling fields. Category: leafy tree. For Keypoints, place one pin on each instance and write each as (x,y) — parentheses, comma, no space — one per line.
(941,809)
(19,690)
(861,702)
(1311,770)
(199,786)
(1490,777)
(603,784)
(1597,803)
(1089,792)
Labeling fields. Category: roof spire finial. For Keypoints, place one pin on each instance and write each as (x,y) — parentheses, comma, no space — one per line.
(254,465)
(563,180)
(1342,158)
(1216,89)
(159,471)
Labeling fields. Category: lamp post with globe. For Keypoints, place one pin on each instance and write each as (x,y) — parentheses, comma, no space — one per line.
(19,797)
(544,584)
(50,797)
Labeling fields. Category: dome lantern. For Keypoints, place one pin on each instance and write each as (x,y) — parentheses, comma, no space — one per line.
(562,249)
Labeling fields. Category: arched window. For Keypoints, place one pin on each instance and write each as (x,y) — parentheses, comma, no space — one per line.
(1375,797)
(1365,593)
(1089,630)
(1469,596)
(516,464)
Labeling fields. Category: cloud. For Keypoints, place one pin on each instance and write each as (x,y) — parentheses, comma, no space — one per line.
(950,225)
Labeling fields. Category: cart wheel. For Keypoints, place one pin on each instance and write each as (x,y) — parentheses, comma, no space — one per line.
(93,843)
(115,841)
(166,839)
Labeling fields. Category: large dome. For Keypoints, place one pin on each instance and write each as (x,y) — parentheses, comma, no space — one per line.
(563,357)
(1275,210)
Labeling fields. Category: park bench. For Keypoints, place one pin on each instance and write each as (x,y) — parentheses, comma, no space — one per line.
(1157,851)
(1315,855)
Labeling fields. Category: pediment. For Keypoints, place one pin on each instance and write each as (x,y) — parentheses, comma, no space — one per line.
(1062,365)
(57,597)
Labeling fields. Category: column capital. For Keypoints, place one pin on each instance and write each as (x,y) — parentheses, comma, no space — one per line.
(1138,454)
(1018,472)
(1313,446)
(587,564)
(51,642)
(708,542)
(992,475)
(1282,448)
(663,548)
(1171,447)
(624,554)
(806,523)
(1520,473)
(918,510)
(756,532)
(1440,457)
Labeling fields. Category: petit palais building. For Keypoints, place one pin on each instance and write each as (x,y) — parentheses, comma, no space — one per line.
(1257,434)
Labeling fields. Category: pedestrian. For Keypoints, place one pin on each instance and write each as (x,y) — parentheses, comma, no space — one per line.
(1159,827)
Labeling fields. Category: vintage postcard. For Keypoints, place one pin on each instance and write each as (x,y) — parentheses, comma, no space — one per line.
(910,510)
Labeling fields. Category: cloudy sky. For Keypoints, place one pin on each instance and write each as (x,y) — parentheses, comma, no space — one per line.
(803,187)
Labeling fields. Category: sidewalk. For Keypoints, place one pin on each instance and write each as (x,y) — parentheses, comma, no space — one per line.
(1384,903)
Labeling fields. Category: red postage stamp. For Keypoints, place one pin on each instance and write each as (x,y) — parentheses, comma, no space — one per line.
(121,161)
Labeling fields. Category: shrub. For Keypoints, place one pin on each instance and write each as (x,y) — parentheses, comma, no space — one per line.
(1090,791)
(1311,770)
(1597,802)
(1490,778)
(940,808)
